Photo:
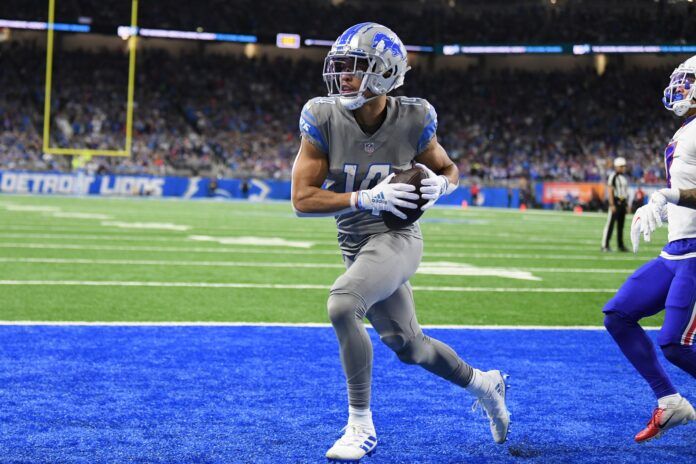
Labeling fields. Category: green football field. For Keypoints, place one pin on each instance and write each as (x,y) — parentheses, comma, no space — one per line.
(97,259)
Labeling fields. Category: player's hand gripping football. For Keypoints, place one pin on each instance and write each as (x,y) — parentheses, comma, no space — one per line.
(433,187)
(648,218)
(386,197)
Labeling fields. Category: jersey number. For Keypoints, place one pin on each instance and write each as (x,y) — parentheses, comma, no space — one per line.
(375,173)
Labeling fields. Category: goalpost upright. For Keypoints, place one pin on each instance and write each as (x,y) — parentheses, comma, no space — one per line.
(132,45)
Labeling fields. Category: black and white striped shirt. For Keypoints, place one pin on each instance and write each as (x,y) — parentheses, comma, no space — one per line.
(620,184)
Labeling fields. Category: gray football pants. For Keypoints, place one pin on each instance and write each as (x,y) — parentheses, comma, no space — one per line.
(375,285)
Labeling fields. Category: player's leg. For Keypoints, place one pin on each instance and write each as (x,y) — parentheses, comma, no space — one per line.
(675,339)
(682,356)
(679,328)
(620,219)
(346,311)
(643,294)
(678,332)
(395,320)
(608,229)
(381,267)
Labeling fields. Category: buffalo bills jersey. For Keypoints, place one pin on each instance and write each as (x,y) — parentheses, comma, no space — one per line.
(680,164)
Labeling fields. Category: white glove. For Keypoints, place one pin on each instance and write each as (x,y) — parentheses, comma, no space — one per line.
(648,218)
(669,195)
(433,187)
(386,197)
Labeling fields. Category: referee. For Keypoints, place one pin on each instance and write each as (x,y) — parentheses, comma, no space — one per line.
(618,203)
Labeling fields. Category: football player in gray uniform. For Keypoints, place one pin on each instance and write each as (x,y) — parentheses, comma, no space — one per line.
(351,141)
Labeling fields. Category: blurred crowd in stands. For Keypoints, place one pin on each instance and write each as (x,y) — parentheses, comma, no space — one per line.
(237,117)
(417,21)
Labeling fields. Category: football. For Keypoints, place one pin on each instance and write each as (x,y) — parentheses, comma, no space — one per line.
(411,176)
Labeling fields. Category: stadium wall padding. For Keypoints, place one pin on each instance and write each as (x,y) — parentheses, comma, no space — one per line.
(79,183)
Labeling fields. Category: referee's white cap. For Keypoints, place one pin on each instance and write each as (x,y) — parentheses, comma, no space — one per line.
(620,161)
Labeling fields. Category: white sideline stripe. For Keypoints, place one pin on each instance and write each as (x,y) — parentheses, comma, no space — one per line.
(71,246)
(121,283)
(292,324)
(165,262)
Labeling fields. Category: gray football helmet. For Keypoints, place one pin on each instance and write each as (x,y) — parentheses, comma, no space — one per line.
(371,52)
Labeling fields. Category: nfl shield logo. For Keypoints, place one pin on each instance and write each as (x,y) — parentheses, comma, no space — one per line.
(369,148)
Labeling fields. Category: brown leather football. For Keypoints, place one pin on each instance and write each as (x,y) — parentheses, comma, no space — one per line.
(411,176)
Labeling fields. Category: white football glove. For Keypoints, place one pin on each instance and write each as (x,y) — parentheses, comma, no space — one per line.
(648,218)
(433,187)
(386,197)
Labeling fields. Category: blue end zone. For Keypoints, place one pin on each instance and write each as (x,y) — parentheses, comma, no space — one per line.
(276,395)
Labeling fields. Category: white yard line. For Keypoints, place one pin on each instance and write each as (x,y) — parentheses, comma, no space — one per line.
(175,239)
(557,270)
(162,249)
(30,208)
(147,225)
(291,324)
(78,215)
(432,238)
(549,256)
(431,234)
(108,238)
(121,283)
(222,240)
(165,262)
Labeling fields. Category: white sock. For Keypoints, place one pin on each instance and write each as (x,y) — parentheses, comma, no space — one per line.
(479,385)
(669,400)
(362,417)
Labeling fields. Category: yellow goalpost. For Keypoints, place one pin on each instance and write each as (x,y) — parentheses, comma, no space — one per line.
(132,43)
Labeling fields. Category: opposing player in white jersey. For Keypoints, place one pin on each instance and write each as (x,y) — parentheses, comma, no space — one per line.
(351,141)
(669,281)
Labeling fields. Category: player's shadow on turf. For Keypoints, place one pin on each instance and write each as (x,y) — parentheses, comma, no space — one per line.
(524,451)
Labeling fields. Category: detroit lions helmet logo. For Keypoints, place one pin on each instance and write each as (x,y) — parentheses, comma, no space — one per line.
(383,42)
(380,53)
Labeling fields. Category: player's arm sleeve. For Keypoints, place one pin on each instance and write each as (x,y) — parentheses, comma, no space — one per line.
(687,198)
(312,129)
(429,128)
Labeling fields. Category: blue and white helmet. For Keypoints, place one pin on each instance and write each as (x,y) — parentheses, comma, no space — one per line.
(679,94)
(371,52)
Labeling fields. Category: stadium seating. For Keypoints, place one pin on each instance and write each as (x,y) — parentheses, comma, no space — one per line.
(208,114)
(417,21)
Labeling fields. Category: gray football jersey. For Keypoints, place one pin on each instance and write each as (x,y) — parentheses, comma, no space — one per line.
(358,161)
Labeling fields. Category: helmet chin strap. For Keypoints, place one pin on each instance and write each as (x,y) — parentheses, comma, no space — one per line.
(680,108)
(353,103)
